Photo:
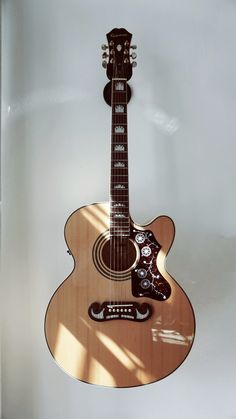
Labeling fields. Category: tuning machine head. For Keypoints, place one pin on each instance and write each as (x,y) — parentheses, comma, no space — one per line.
(105,55)
(133,55)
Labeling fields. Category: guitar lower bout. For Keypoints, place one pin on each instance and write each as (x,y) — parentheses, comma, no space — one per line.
(119,325)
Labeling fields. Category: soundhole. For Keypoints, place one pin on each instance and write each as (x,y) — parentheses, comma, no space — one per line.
(115,257)
(119,254)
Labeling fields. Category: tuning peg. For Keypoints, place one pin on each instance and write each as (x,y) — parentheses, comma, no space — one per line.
(133,46)
(104,46)
(133,55)
(105,55)
(134,64)
(104,64)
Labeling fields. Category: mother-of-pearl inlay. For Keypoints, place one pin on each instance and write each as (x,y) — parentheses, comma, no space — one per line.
(119,108)
(119,85)
(119,164)
(119,129)
(119,147)
(119,204)
(120,215)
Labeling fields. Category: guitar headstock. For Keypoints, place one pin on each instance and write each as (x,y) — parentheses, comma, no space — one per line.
(117,54)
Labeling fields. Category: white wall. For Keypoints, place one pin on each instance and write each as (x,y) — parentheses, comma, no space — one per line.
(182,162)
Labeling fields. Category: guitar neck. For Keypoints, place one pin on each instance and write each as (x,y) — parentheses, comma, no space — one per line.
(119,184)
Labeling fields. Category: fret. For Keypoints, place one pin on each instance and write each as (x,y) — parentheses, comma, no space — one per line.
(115,123)
(118,115)
(119,210)
(116,132)
(122,200)
(120,234)
(120,223)
(121,230)
(119,192)
(119,119)
(116,208)
(120,227)
(119,171)
(116,173)
(120,136)
(120,196)
(119,140)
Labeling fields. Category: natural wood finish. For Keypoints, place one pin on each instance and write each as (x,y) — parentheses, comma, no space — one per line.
(116,353)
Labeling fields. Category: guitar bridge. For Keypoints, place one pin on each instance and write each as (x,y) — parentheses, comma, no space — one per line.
(119,311)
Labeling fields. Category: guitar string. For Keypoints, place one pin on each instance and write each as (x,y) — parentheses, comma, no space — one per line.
(117,240)
(126,240)
(118,197)
(111,199)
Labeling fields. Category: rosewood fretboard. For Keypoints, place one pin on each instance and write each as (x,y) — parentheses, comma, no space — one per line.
(119,188)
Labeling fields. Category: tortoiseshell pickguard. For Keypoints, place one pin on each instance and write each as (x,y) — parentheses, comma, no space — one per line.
(147,281)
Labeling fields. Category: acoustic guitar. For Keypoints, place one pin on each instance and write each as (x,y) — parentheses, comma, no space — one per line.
(119,319)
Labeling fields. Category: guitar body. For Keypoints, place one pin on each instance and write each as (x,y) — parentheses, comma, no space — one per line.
(116,352)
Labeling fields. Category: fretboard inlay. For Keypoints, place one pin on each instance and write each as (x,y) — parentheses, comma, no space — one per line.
(119,86)
(119,109)
(119,164)
(119,129)
(119,205)
(119,147)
